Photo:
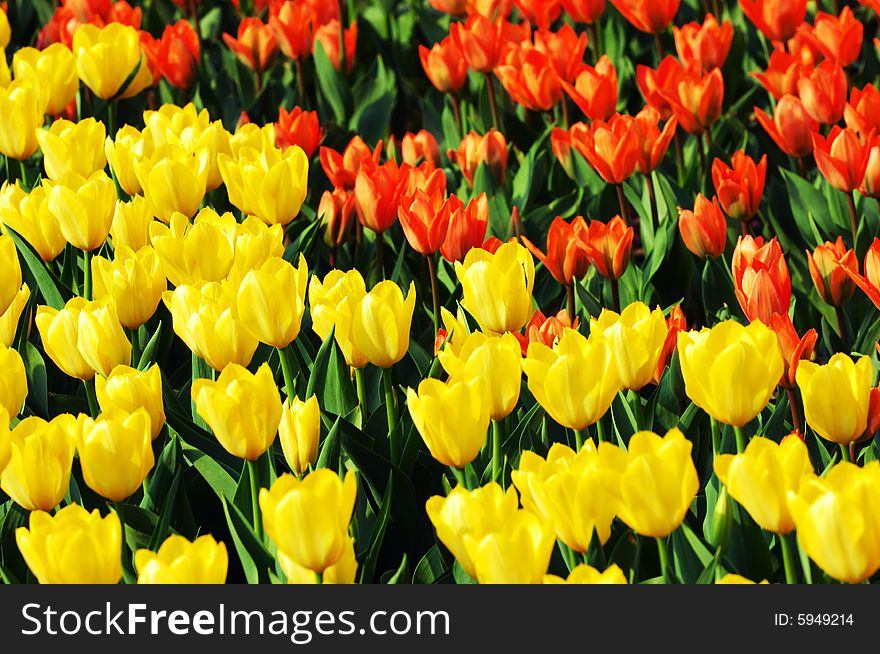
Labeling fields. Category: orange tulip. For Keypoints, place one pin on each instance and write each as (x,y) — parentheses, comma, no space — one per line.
(658,85)
(675,323)
(862,112)
(823,92)
(697,100)
(560,144)
(703,230)
(841,158)
(760,277)
(783,73)
(651,16)
(791,127)
(584,11)
(420,146)
(479,41)
(794,348)
(298,127)
(255,45)
(870,186)
(467,228)
(595,89)
(609,246)
(444,65)
(529,79)
(541,329)
(342,169)
(451,7)
(377,194)
(869,282)
(566,258)
(830,267)
(705,46)
(740,185)
(474,149)
(336,211)
(424,176)
(564,48)
(293,24)
(328,36)
(611,148)
(653,141)
(178,55)
(425,219)
(540,13)
(777,19)
(837,37)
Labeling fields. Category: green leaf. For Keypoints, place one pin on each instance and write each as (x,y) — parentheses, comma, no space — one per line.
(331,380)
(255,559)
(35,368)
(375,546)
(148,356)
(431,568)
(332,86)
(46,282)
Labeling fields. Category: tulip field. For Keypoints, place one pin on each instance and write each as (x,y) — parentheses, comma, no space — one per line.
(439,291)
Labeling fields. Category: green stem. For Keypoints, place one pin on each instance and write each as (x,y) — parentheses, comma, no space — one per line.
(319,578)
(788,559)
(638,411)
(570,302)
(111,120)
(741,439)
(493,103)
(600,431)
(844,453)
(578,439)
(497,464)
(460,477)
(254,474)
(22,169)
(615,295)
(284,356)
(127,561)
(435,291)
(853,217)
(805,565)
(87,275)
(716,437)
(652,197)
(361,393)
(391,413)
(91,397)
(663,551)
(135,347)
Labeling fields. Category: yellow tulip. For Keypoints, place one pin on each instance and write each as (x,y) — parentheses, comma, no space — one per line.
(179,561)
(58,331)
(256,243)
(343,571)
(517,553)
(73,546)
(127,389)
(100,338)
(133,283)
(587,574)
(173,180)
(28,215)
(838,520)
(10,283)
(204,318)
(636,337)
(115,452)
(836,396)
(194,253)
(131,224)
(83,207)
(308,519)
(107,56)
(271,301)
(457,330)
(575,493)
(299,432)
(21,113)
(497,288)
(731,579)
(242,409)
(495,361)
(73,147)
(326,297)
(270,184)
(730,371)
(576,381)
(5,441)
(451,417)
(38,473)
(13,381)
(5,74)
(54,69)
(10,318)
(122,151)
(5,29)
(251,139)
(762,476)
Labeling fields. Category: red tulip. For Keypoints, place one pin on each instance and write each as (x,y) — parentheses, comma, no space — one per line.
(609,246)
(869,282)
(467,228)
(871,184)
(584,11)
(560,143)
(293,24)
(698,99)
(444,65)
(794,348)
(298,127)
(651,16)
(830,267)
(474,149)
(791,127)
(328,36)
(479,41)
(862,112)
(151,47)
(658,86)
(336,211)
(425,176)
(377,194)
(595,89)
(178,55)
(777,19)
(255,45)
(703,230)
(783,73)
(425,219)
(566,258)
(841,158)
(529,78)
(565,50)
(675,323)
(540,13)
(342,169)
(653,141)
(451,7)
(420,146)
(541,329)
(837,37)
(705,46)
(761,279)
(611,148)
(823,92)
(740,185)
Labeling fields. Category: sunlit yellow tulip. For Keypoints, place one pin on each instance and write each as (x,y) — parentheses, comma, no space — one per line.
(587,574)
(73,147)
(100,338)
(730,371)
(29,216)
(122,151)
(5,440)
(457,330)
(73,546)
(197,252)
(731,579)
(636,337)
(83,207)
(38,473)
(179,561)
(299,432)
(10,282)
(10,318)
(242,409)
(21,113)
(326,296)
(54,68)
(836,396)
(256,243)
(497,288)
(517,553)
(308,519)
(271,301)
(127,389)
(250,139)
(107,56)
(133,283)
(343,571)
(131,224)
(173,180)
(5,29)
(58,332)
(13,381)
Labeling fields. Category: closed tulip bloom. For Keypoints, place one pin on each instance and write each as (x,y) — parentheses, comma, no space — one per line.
(828,265)
(698,100)
(584,11)
(122,151)
(761,478)
(300,432)
(587,574)
(344,571)
(11,282)
(206,320)
(660,86)
(595,89)
(730,371)
(10,318)
(292,24)
(444,65)
(650,17)
(115,452)
(565,48)
(107,56)
(173,180)
(271,301)
(517,553)
(243,409)
(636,337)
(740,185)
(133,283)
(77,147)
(546,330)
(794,348)
(180,561)
(54,68)
(612,148)
(609,246)
(576,381)
(760,277)
(658,483)
(377,191)
(178,55)
(197,252)
(777,19)
(862,112)
(38,474)
(703,230)
(73,546)
(823,92)
(654,142)
(418,147)
(326,296)
(298,127)
(125,390)
(342,169)
(497,288)
(791,127)
(454,438)
(21,113)
(474,150)
(58,332)
(529,78)
(705,45)
(425,219)
(256,45)
(29,216)
(336,212)
(540,13)
(308,520)
(328,36)
(83,208)
(13,384)
(479,41)
(100,338)
(466,229)
(836,396)
(734,579)
(837,37)
(841,158)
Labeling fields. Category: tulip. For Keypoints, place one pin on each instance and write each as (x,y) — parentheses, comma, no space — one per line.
(194,253)
(862,112)
(342,169)
(100,338)
(529,78)
(21,113)
(611,148)
(595,90)
(83,208)
(9,319)
(328,36)
(343,571)
(418,147)
(299,432)
(241,408)
(660,86)
(823,92)
(636,337)
(298,127)
(777,19)
(761,478)
(658,483)
(425,219)
(497,288)
(697,100)
(122,151)
(107,56)
(830,265)
(575,381)
(609,246)
(173,180)
(740,185)
(539,13)
(73,546)
(445,67)
(836,521)
(479,41)
(336,211)
(58,331)
(206,320)
(179,561)
(54,70)
(838,38)
(706,45)
(675,324)
(308,519)
(11,282)
(734,579)
(653,141)
(29,216)
(703,230)
(650,17)
(791,128)
(584,11)
(38,474)
(566,259)
(841,158)
(292,24)
(255,45)
(466,229)
(13,385)
(794,348)
(132,283)
(564,48)
(255,243)
(587,574)
(474,150)
(178,56)
(783,73)
(761,279)
(126,390)
(271,301)
(327,297)
(730,371)
(574,492)
(76,147)
(541,329)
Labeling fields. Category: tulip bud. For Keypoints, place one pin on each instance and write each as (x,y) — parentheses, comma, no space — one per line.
(791,128)
(178,55)
(566,259)
(609,246)
(292,24)
(21,113)
(100,338)
(122,150)
(256,45)
(300,431)
(517,553)
(344,571)
(722,522)
(126,390)
(418,147)
(11,281)
(58,332)
(13,383)
(9,319)
(836,396)
(335,211)
(529,78)
(837,37)
(325,298)
(612,148)
(777,19)
(133,283)
(54,70)
(595,90)
(179,561)
(653,141)
(862,112)
(794,348)
(328,36)
(377,192)
(83,208)
(29,216)
(271,301)
(76,147)
(636,336)
(823,92)
(107,56)
(466,229)
(444,65)
(828,265)
(741,185)
(703,230)
(761,279)
(173,180)
(650,17)
(705,45)
(342,169)
(474,150)
(298,127)
(841,158)
(197,252)
(479,41)
(587,574)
